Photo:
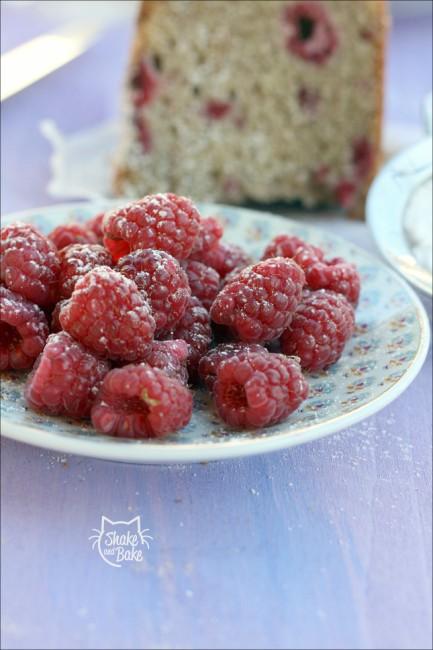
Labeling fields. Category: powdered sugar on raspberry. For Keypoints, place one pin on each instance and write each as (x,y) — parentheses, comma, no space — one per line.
(171,357)
(138,401)
(76,260)
(164,283)
(23,331)
(256,390)
(259,304)
(161,221)
(321,326)
(204,282)
(66,378)
(109,314)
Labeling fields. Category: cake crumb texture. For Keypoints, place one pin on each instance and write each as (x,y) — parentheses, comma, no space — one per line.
(265,100)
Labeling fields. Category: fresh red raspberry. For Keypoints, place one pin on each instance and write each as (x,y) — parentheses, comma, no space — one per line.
(233,275)
(95,225)
(171,357)
(336,275)
(195,329)
(204,282)
(66,378)
(138,401)
(288,246)
(23,331)
(223,258)
(323,323)
(208,365)
(259,305)
(209,234)
(257,390)
(109,314)
(311,35)
(163,221)
(76,260)
(72,233)
(55,317)
(164,281)
(29,264)
(307,256)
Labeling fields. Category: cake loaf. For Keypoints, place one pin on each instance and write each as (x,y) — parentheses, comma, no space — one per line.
(256,100)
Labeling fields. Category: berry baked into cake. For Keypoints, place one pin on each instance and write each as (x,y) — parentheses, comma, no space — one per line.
(255,99)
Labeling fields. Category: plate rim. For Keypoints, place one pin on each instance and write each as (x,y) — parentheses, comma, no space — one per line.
(143,452)
(376,219)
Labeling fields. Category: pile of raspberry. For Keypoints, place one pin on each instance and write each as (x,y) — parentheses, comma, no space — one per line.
(119,317)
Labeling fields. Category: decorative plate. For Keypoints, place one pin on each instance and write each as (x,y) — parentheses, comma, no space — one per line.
(390,213)
(382,359)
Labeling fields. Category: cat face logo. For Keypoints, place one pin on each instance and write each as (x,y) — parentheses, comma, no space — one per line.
(120,541)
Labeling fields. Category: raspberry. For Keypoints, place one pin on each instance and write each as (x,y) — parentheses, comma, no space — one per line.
(171,357)
(223,258)
(66,378)
(209,234)
(144,134)
(311,35)
(72,233)
(307,255)
(209,363)
(195,329)
(164,281)
(233,275)
(95,225)
(29,264)
(345,193)
(163,221)
(204,282)
(138,401)
(108,314)
(323,322)
(216,109)
(336,275)
(259,305)
(288,246)
(257,390)
(23,331)
(347,189)
(55,316)
(76,260)
(362,158)
(144,84)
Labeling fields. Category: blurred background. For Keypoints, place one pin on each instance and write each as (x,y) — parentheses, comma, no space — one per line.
(85,94)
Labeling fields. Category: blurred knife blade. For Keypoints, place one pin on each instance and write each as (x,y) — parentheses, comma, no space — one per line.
(35,59)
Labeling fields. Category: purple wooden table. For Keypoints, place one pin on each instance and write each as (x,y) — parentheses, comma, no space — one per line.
(327,545)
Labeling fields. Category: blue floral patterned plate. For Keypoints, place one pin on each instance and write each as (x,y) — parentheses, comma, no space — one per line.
(382,359)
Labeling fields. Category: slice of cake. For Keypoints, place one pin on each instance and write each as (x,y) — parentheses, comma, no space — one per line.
(255,100)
